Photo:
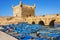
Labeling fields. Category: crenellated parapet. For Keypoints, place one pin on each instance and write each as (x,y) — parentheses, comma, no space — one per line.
(22,10)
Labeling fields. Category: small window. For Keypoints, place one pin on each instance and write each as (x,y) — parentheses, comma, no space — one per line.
(20,5)
(30,15)
(57,14)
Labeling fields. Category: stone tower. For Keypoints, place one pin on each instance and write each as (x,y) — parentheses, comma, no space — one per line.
(22,10)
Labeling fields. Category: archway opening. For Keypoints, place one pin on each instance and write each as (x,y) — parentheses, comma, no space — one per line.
(41,23)
(33,22)
(52,23)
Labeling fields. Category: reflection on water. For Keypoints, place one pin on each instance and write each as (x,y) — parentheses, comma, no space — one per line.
(57,25)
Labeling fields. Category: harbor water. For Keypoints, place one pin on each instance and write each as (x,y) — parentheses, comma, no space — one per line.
(26,31)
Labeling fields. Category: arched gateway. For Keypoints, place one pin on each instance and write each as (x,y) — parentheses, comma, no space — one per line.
(51,23)
(41,23)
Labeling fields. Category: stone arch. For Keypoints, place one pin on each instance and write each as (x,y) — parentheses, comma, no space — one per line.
(33,22)
(52,22)
(41,23)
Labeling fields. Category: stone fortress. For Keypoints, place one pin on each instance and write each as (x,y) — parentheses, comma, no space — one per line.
(23,10)
(25,13)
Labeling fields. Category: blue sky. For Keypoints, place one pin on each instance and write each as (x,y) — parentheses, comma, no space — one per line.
(43,7)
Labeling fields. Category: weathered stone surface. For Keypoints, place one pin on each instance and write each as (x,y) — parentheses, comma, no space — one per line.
(25,13)
(47,19)
(22,10)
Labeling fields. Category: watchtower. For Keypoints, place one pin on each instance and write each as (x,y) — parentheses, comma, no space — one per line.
(23,10)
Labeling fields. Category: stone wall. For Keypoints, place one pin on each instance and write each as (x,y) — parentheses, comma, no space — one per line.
(46,19)
(22,10)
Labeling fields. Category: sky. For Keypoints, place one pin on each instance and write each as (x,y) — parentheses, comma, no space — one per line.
(43,7)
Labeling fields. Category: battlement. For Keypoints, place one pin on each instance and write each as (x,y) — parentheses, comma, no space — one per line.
(23,10)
